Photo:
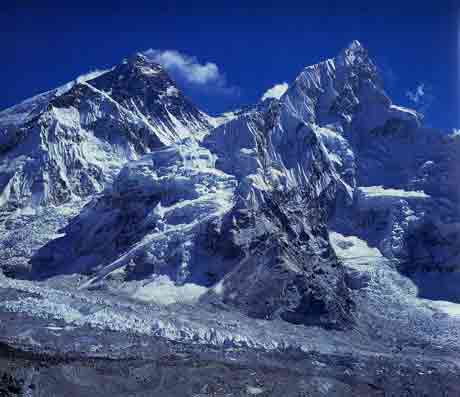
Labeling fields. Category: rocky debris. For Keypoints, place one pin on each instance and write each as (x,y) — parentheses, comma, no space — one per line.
(183,372)
(286,211)
(287,267)
(10,386)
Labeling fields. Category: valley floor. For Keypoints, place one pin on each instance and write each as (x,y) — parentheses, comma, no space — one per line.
(56,341)
(155,367)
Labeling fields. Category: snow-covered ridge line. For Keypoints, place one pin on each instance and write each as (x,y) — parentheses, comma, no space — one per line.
(31,107)
(259,211)
(80,135)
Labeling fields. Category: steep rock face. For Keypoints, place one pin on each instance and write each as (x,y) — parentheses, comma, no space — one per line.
(72,141)
(367,136)
(400,177)
(272,150)
(156,216)
(278,227)
(416,231)
(145,89)
(237,215)
(398,156)
(242,221)
(73,148)
(345,96)
(286,267)
(346,90)
(439,172)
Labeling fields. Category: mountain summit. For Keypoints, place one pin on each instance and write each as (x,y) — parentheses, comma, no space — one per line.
(71,141)
(144,88)
(328,214)
(346,89)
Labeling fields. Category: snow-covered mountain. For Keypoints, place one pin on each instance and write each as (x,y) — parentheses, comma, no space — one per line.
(272,211)
(73,140)
(401,177)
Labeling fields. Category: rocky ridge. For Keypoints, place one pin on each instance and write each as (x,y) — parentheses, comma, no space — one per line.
(266,212)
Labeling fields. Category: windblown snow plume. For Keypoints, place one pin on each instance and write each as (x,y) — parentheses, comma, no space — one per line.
(322,224)
(421,97)
(188,69)
(276,91)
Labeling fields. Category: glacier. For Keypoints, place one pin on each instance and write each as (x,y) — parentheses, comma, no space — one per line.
(324,219)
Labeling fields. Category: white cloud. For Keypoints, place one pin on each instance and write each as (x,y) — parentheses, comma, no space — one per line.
(420,97)
(189,70)
(276,91)
(417,95)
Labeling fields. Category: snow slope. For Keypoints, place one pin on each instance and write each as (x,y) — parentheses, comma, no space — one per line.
(314,209)
(72,141)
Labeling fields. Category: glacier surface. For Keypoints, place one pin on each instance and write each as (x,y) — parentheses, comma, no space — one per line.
(327,218)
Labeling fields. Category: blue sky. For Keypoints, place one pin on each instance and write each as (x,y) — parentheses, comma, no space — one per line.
(235,51)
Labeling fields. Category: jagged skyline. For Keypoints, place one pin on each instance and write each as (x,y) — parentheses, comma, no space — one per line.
(236,53)
(305,244)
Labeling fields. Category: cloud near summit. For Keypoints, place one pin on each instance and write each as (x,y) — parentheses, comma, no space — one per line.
(421,97)
(187,69)
(276,91)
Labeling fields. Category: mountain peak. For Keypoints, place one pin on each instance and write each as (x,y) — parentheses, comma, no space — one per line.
(135,58)
(139,62)
(353,54)
(345,89)
(355,45)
